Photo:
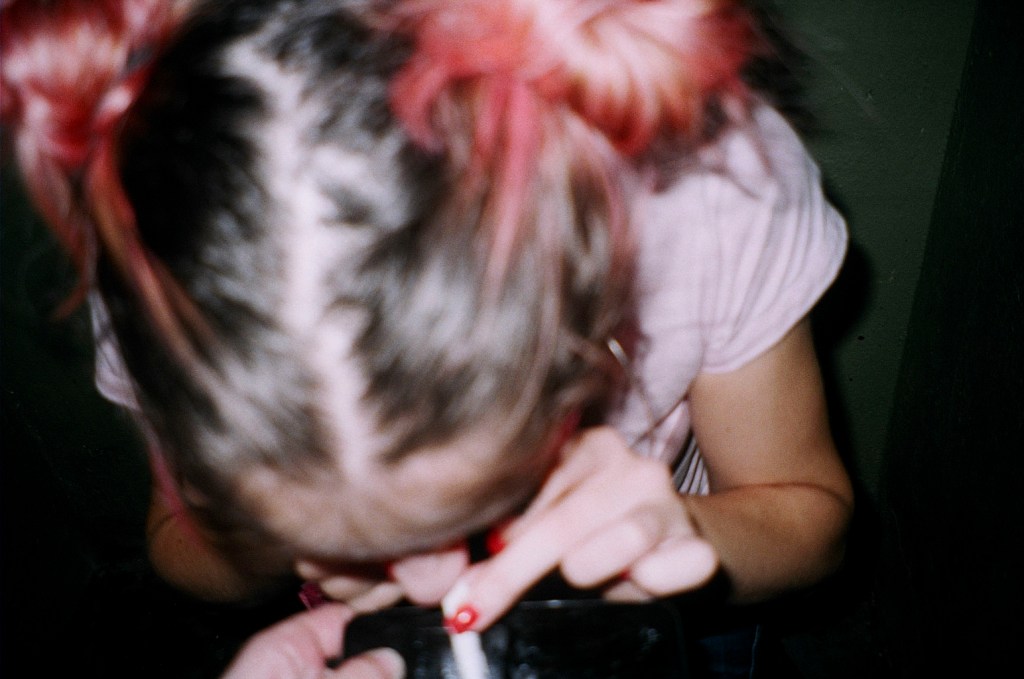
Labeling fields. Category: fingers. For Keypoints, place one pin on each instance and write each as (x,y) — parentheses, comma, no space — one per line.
(380,596)
(581,458)
(426,578)
(364,590)
(604,512)
(292,647)
(298,648)
(381,663)
(614,550)
(320,629)
(344,587)
(537,546)
(681,564)
(422,578)
(626,591)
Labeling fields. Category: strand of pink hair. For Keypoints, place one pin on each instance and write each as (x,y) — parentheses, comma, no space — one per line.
(71,71)
(630,69)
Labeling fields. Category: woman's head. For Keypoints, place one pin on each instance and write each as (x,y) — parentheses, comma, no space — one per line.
(361,275)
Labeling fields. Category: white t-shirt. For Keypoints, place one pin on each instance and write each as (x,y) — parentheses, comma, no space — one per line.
(731,256)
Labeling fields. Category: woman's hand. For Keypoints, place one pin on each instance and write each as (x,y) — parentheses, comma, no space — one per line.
(605,517)
(775,520)
(299,648)
(422,579)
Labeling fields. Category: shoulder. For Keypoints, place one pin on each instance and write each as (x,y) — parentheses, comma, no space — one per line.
(743,231)
(757,165)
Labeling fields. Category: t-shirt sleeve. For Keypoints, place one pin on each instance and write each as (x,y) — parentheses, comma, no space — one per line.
(775,244)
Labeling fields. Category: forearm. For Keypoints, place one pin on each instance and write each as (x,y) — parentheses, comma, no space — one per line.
(773,538)
(780,497)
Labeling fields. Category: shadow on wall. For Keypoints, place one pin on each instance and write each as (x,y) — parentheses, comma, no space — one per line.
(835,320)
(951,586)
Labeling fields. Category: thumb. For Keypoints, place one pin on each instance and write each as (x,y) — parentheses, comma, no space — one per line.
(426,578)
(381,663)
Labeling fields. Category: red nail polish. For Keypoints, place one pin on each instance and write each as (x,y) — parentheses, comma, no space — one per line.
(463,619)
(311,595)
(495,541)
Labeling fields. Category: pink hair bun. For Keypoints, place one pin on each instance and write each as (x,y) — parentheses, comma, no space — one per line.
(630,68)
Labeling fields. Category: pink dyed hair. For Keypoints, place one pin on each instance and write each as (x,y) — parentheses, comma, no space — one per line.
(529,71)
(71,71)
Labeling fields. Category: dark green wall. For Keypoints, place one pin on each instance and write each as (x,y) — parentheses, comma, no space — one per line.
(954,477)
(882,78)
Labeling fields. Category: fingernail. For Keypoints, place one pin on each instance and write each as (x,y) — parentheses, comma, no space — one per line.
(495,541)
(388,660)
(463,620)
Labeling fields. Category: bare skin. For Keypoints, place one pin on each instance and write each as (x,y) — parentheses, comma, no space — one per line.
(299,647)
(184,558)
(775,519)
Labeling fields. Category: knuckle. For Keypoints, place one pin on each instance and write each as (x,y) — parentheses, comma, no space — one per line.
(641,530)
(650,473)
(500,583)
(583,571)
(344,588)
(627,591)
(378,664)
(377,598)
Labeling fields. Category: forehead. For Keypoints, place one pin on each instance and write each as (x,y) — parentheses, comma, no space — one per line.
(426,500)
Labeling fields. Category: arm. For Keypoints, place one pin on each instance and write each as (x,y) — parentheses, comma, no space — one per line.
(780,498)
(775,521)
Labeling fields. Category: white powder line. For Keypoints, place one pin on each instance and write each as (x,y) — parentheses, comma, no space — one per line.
(467,647)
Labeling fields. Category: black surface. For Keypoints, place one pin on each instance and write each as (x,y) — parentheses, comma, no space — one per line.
(951,580)
(539,640)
